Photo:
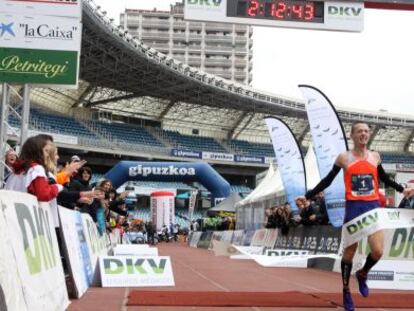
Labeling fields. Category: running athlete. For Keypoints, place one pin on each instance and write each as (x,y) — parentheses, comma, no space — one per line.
(362,169)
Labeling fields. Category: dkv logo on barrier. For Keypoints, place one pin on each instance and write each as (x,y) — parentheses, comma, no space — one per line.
(402,245)
(37,240)
(399,244)
(134,266)
(136,271)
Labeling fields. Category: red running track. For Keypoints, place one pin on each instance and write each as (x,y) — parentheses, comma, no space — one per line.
(199,270)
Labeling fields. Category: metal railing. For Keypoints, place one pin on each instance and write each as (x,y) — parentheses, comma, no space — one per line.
(157,35)
(216,26)
(179,36)
(218,62)
(179,25)
(156,24)
(211,38)
(218,48)
(194,38)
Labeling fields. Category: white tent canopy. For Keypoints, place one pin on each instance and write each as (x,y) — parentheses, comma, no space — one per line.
(272,188)
(272,185)
(227,205)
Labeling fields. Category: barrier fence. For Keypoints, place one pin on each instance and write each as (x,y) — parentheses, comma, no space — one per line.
(301,244)
(31,255)
(32,276)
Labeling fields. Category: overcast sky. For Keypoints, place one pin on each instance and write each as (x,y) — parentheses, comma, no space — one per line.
(371,70)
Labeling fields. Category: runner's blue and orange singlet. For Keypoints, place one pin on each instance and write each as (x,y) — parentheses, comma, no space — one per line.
(361,185)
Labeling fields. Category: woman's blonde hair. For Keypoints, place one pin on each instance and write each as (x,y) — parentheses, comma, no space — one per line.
(50,161)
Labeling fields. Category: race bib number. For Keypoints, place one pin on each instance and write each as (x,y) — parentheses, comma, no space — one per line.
(362,184)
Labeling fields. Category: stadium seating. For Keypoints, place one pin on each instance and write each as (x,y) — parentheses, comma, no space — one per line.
(141,213)
(59,124)
(240,189)
(196,143)
(129,133)
(96,178)
(182,217)
(252,149)
(137,136)
(13,121)
(398,158)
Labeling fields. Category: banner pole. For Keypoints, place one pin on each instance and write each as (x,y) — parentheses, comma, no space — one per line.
(24,129)
(3,129)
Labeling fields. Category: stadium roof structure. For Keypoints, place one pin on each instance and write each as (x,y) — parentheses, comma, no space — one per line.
(121,74)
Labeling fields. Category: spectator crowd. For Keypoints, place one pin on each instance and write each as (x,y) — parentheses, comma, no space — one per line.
(36,171)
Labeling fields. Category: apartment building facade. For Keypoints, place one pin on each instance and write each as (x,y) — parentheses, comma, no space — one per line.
(225,50)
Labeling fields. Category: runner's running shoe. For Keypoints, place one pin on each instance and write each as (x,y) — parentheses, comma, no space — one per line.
(362,282)
(348,303)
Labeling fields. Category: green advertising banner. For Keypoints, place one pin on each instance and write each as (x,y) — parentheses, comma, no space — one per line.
(39,66)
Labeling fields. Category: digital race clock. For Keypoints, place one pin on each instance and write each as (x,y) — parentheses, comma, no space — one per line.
(341,15)
(279,10)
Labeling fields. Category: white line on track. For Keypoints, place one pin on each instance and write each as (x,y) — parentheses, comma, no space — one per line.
(203,276)
(125,300)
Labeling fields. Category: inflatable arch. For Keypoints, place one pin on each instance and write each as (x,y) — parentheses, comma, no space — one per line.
(172,172)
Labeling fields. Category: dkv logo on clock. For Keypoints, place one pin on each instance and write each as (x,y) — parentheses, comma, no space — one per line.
(205,3)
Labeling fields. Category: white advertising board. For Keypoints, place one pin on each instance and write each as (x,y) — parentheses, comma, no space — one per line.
(135,250)
(76,249)
(97,245)
(11,294)
(227,157)
(36,251)
(135,271)
(63,8)
(392,274)
(285,252)
(40,32)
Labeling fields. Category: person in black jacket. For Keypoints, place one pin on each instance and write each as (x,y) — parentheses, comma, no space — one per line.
(272,218)
(319,207)
(407,203)
(307,214)
(115,200)
(80,182)
(285,218)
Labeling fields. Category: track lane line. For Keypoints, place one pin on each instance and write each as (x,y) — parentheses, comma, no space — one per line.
(202,275)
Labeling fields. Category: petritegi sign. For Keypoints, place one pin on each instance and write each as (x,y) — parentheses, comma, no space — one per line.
(38,66)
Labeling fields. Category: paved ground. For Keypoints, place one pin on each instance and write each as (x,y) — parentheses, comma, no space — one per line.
(200,270)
